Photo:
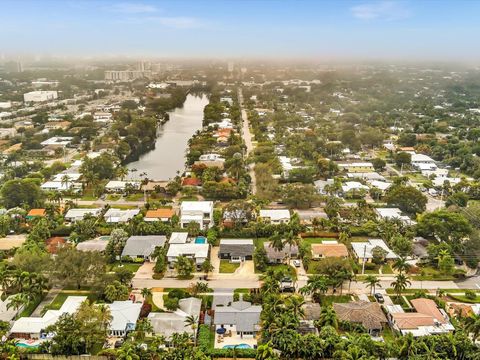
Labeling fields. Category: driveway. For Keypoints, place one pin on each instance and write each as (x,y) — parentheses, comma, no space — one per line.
(145,271)
(214,259)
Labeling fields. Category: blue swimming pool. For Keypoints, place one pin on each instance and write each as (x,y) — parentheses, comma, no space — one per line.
(200,240)
(23,345)
(239,346)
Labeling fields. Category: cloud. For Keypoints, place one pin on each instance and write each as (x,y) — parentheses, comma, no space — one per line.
(133,8)
(382,10)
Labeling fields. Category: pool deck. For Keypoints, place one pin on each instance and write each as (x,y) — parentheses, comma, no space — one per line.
(235,339)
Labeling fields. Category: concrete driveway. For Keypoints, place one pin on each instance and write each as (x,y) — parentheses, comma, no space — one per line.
(214,259)
(145,271)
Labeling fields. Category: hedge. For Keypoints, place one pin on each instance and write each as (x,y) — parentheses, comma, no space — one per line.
(206,340)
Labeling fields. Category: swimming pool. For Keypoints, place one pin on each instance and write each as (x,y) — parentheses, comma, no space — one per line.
(239,346)
(28,346)
(200,240)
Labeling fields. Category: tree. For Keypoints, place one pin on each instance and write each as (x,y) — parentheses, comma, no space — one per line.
(78,268)
(184,266)
(401,265)
(116,291)
(378,255)
(146,292)
(401,282)
(193,228)
(127,352)
(266,352)
(407,199)
(372,282)
(22,193)
(450,227)
(276,242)
(472,325)
(459,199)
(67,339)
(207,267)
(199,288)
(239,212)
(446,263)
(143,326)
(94,323)
(379,164)
(192,321)
(403,158)
(116,243)
(301,196)
(328,317)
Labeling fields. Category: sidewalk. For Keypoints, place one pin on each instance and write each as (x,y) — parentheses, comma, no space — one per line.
(46,301)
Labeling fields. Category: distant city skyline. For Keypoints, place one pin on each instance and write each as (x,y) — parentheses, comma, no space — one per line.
(417,30)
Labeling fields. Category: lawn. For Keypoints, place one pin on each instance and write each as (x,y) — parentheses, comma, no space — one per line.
(57,303)
(314,240)
(286,269)
(463,298)
(89,198)
(400,301)
(155,308)
(387,269)
(430,273)
(328,300)
(31,306)
(113,197)
(133,267)
(134,197)
(228,267)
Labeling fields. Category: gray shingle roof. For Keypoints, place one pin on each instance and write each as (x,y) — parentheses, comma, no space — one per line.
(273,254)
(143,245)
(237,247)
(242,314)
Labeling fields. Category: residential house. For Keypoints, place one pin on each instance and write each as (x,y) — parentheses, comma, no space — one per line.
(423,162)
(119,186)
(197,252)
(275,256)
(354,189)
(74,215)
(367,314)
(275,216)
(312,313)
(164,215)
(98,244)
(114,216)
(35,213)
(143,246)
(364,250)
(356,167)
(329,249)
(178,238)
(393,213)
(168,323)
(124,317)
(236,250)
(61,186)
(10,242)
(57,125)
(200,212)
(54,244)
(34,327)
(241,317)
(427,319)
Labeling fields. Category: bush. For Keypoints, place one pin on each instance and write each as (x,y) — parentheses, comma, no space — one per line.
(62,230)
(470,294)
(171,303)
(370,266)
(178,293)
(139,260)
(472,262)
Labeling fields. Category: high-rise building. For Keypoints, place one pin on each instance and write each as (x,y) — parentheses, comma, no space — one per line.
(125,75)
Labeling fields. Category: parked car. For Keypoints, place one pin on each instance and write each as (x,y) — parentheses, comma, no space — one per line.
(379,298)
(296,263)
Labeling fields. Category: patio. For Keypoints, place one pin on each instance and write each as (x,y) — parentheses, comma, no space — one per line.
(232,338)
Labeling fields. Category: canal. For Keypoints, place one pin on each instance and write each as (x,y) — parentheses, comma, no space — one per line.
(168,157)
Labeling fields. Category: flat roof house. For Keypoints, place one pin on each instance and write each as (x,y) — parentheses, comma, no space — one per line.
(358,167)
(241,317)
(363,250)
(178,238)
(393,213)
(124,317)
(143,246)
(275,216)
(74,215)
(427,320)
(368,314)
(329,249)
(35,213)
(278,256)
(120,215)
(236,250)
(200,212)
(423,162)
(98,244)
(169,323)
(197,252)
(34,327)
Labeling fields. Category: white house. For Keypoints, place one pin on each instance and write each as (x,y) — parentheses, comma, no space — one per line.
(364,250)
(74,215)
(200,212)
(423,162)
(393,213)
(120,215)
(197,252)
(275,216)
(178,238)
(117,186)
(34,327)
(57,141)
(124,317)
(60,186)
(102,117)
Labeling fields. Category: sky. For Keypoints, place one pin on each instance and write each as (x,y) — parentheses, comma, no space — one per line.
(384,29)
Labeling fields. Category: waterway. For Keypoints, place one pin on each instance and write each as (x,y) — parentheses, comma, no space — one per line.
(168,157)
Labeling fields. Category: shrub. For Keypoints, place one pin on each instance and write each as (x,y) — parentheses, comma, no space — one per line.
(171,303)
(470,294)
(178,293)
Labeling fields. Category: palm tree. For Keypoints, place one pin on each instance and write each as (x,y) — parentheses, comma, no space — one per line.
(127,352)
(328,317)
(65,180)
(472,325)
(401,265)
(192,321)
(207,267)
(295,305)
(146,292)
(401,282)
(122,172)
(266,352)
(276,242)
(199,288)
(372,281)
(290,240)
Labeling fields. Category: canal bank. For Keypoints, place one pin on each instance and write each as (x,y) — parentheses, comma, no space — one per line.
(168,157)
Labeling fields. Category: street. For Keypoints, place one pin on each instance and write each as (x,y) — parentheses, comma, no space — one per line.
(247,137)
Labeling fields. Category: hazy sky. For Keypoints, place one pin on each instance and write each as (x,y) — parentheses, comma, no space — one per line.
(250,28)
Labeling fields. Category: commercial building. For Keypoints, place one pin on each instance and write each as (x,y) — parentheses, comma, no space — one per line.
(40,96)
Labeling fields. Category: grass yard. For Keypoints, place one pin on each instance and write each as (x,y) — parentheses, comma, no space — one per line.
(155,308)
(133,267)
(113,197)
(228,267)
(286,269)
(134,197)
(464,299)
(57,303)
(89,198)
(387,269)
(328,300)
(315,240)
(30,308)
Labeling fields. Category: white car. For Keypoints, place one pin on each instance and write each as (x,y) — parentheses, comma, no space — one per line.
(296,263)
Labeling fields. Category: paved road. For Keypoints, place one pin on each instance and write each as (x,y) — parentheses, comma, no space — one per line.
(470,283)
(213,284)
(247,138)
